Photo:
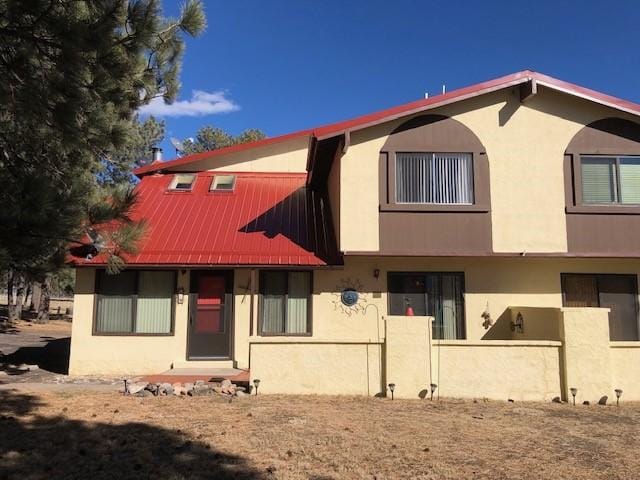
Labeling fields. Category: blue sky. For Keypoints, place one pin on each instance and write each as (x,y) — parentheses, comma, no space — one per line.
(287,65)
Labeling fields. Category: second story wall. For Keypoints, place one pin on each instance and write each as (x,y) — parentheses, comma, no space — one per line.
(524,144)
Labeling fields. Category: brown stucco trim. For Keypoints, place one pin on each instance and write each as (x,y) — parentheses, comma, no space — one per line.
(434,229)
(600,230)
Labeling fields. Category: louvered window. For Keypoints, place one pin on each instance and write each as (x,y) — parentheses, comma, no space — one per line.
(436,178)
(607,180)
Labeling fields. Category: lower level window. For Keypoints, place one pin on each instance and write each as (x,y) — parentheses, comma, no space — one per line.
(285,303)
(134,302)
(616,292)
(439,295)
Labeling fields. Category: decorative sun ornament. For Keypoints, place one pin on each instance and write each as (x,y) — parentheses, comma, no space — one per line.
(349,298)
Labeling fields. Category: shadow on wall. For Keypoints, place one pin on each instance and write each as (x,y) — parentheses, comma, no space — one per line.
(304,217)
(501,328)
(34,446)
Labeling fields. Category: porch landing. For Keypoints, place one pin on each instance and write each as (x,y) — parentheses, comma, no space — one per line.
(191,375)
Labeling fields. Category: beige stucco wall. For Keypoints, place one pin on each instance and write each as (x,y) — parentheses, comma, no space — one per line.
(625,365)
(288,156)
(101,354)
(500,370)
(407,360)
(525,145)
(317,367)
(585,353)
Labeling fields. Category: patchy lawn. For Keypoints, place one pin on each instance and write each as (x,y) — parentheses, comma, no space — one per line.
(105,435)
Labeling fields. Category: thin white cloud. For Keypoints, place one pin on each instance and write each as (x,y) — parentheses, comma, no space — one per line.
(201,103)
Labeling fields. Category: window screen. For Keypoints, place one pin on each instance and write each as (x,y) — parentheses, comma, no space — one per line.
(438,178)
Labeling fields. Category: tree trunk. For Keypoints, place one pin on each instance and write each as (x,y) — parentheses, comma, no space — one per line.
(45,298)
(11,307)
(19,297)
(27,303)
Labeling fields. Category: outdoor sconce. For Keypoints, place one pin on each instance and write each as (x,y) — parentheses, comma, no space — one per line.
(434,387)
(256,384)
(518,325)
(574,392)
(180,295)
(376,273)
(392,387)
(618,395)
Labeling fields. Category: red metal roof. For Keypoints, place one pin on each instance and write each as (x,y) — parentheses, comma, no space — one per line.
(411,108)
(268,219)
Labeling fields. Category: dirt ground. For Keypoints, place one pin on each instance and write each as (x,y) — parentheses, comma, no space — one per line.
(105,435)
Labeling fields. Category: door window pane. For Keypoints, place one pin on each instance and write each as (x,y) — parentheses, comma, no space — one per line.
(439,295)
(599,180)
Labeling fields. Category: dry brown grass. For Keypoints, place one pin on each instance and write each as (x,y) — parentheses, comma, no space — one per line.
(98,435)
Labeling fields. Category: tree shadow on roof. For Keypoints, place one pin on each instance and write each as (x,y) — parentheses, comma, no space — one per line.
(40,447)
(304,217)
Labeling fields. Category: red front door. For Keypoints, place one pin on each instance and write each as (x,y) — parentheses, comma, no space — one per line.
(210,315)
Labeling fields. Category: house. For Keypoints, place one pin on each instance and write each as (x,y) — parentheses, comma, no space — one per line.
(485,241)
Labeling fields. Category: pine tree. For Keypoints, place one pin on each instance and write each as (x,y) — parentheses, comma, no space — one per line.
(212,138)
(73,75)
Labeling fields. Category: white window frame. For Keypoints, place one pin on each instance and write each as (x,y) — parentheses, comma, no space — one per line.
(217,180)
(176,180)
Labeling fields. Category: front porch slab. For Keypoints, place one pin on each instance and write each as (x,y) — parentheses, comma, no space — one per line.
(192,375)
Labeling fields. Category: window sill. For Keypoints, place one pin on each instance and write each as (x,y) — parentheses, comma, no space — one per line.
(604,209)
(433,208)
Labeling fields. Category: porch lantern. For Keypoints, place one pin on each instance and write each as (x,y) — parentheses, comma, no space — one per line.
(392,387)
(434,387)
(618,395)
(180,295)
(256,384)
(574,392)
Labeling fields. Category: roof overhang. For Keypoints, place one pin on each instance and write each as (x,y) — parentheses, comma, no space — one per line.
(527,79)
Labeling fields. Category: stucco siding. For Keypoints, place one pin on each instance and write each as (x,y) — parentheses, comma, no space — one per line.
(290,156)
(625,366)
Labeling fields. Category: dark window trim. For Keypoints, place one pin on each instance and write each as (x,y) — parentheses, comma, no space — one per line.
(388,186)
(463,322)
(96,296)
(573,187)
(261,283)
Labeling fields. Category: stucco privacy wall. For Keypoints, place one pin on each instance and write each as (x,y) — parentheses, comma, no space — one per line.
(625,366)
(407,361)
(115,354)
(525,145)
(520,370)
(308,367)
(289,156)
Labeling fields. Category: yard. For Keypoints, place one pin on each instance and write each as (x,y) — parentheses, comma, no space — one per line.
(61,434)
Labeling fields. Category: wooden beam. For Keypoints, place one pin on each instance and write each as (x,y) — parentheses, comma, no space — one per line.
(528,90)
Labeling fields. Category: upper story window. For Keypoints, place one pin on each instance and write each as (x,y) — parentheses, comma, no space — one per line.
(183,182)
(434,178)
(610,180)
(223,183)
